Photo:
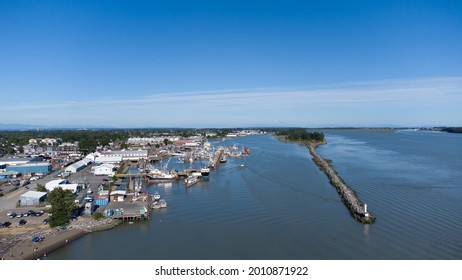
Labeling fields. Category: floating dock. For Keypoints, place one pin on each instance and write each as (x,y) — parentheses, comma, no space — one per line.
(350,199)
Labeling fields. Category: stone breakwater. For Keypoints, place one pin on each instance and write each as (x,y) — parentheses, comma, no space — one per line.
(87,224)
(348,196)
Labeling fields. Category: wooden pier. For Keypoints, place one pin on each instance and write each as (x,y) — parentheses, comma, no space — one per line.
(350,199)
(218,159)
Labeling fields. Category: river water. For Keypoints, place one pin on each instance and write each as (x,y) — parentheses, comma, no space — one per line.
(280,206)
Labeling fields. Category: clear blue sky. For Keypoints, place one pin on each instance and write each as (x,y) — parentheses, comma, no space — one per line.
(231,63)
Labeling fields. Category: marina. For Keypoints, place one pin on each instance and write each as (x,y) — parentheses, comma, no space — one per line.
(309,220)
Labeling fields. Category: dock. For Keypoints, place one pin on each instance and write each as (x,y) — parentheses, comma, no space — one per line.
(357,209)
(218,158)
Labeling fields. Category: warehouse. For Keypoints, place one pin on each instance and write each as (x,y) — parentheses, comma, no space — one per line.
(76,166)
(64,184)
(32,198)
(31,167)
(127,154)
(108,159)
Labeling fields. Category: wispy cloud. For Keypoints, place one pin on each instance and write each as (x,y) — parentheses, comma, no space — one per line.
(202,108)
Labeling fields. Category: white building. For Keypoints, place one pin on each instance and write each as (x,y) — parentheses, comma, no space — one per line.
(125,155)
(108,159)
(77,166)
(61,183)
(104,169)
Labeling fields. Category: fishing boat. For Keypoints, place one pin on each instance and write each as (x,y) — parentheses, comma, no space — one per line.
(205,171)
(155,205)
(160,176)
(162,203)
(191,180)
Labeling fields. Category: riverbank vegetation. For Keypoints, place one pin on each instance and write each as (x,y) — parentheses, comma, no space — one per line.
(452,129)
(300,135)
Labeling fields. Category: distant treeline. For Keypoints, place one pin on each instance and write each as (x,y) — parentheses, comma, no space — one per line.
(453,129)
(300,134)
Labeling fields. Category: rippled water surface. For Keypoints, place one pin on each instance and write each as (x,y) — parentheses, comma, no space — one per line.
(280,206)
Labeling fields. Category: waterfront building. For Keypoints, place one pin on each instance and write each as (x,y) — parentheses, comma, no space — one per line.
(131,155)
(106,169)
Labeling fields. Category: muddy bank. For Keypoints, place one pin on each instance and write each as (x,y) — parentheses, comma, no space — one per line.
(16,243)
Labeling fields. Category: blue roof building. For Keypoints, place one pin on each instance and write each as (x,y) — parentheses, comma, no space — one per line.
(34,167)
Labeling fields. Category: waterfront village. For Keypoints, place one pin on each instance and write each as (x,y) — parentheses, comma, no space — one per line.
(107,182)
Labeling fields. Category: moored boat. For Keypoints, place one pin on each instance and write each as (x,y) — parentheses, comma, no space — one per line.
(160,176)
(156,196)
(191,180)
(205,171)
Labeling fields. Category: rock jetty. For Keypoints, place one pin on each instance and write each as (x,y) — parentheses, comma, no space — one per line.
(350,199)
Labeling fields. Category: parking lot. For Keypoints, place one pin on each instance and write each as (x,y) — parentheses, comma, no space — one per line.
(8,202)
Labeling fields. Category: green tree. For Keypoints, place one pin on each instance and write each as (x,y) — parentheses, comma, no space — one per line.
(87,144)
(41,188)
(62,205)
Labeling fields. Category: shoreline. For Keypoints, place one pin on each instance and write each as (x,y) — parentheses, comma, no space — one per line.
(357,209)
(22,248)
(28,250)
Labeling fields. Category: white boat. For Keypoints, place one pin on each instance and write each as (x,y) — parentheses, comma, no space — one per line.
(191,180)
(155,205)
(156,196)
(158,175)
(162,203)
(223,159)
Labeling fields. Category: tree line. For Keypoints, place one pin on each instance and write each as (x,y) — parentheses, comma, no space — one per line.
(300,134)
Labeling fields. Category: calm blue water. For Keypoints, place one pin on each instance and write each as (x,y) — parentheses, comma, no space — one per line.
(280,206)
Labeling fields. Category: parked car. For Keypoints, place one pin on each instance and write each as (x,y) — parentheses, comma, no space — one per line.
(5,224)
(45,221)
(31,213)
(22,222)
(19,215)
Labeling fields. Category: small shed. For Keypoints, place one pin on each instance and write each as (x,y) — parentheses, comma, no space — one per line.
(31,198)
(89,208)
(118,195)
